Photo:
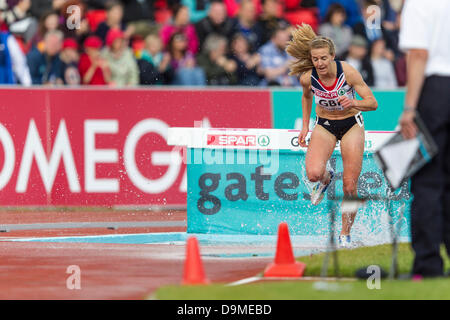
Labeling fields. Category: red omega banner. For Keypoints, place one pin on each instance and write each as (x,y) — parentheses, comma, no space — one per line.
(104,147)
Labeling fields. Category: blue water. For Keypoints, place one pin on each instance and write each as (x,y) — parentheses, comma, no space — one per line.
(180,237)
(205,239)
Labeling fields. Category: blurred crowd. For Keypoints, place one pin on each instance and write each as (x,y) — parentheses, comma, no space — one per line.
(189,42)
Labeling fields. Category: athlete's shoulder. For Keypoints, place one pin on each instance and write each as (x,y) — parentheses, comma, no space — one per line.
(351,74)
(347,67)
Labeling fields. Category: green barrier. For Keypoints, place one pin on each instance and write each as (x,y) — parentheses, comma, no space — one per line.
(287,110)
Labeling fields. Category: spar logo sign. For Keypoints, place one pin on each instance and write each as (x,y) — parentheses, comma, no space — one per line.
(237,140)
(231,140)
(263,141)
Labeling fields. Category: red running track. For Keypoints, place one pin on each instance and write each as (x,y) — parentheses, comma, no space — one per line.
(37,270)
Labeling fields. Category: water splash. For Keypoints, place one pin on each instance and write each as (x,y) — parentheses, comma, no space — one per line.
(375,223)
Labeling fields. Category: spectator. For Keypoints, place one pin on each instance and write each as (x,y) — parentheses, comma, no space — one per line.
(370,33)
(198,9)
(247,63)
(45,64)
(94,70)
(386,25)
(183,63)
(12,13)
(382,66)
(48,21)
(275,61)
(19,23)
(335,29)
(114,20)
(297,12)
(121,61)
(357,52)
(13,63)
(153,64)
(391,27)
(216,22)
(233,6)
(181,24)
(269,20)
(70,59)
(41,7)
(13,18)
(389,17)
(352,10)
(245,23)
(357,57)
(218,68)
(139,15)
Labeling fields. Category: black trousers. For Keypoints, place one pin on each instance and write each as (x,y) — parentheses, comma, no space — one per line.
(430,186)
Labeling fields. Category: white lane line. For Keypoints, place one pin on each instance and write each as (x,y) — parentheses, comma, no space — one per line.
(310,278)
(244,281)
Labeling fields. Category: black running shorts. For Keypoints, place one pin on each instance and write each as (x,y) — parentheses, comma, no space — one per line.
(339,128)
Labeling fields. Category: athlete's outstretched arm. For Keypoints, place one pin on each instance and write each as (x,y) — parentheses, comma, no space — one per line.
(307,100)
(354,79)
(307,97)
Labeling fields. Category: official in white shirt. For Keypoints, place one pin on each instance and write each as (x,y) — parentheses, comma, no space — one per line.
(425,36)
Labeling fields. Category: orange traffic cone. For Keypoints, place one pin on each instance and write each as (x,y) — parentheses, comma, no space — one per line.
(193,266)
(285,264)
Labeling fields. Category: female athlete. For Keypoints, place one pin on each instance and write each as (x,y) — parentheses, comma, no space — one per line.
(338,115)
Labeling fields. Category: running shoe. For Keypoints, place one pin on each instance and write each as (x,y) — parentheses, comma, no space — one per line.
(345,241)
(318,191)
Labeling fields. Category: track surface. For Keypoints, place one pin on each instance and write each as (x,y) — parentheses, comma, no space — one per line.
(37,270)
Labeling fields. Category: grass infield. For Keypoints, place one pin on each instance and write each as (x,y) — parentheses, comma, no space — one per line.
(349,262)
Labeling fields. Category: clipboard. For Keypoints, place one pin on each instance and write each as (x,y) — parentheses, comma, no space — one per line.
(400,158)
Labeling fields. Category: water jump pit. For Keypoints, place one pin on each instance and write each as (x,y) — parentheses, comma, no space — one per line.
(242,183)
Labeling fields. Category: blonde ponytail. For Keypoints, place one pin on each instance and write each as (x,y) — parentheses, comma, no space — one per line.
(303,40)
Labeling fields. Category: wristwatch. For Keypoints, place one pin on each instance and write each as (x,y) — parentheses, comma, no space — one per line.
(407,108)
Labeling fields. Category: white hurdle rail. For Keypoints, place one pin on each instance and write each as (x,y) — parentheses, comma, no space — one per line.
(261,139)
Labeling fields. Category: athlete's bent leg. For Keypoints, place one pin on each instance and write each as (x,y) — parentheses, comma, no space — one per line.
(352,150)
(320,149)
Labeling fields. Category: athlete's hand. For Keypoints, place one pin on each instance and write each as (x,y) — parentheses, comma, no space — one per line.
(407,124)
(346,103)
(302,137)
